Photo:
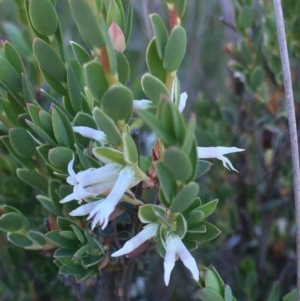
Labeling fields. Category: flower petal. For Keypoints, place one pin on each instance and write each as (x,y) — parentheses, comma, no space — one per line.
(85,209)
(90,133)
(187,259)
(148,232)
(105,173)
(142,104)
(218,152)
(182,101)
(169,262)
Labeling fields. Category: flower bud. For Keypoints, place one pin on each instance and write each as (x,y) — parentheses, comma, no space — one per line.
(117,37)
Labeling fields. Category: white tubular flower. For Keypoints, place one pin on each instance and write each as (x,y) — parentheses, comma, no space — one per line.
(91,182)
(174,246)
(218,152)
(142,104)
(91,133)
(102,209)
(182,101)
(147,233)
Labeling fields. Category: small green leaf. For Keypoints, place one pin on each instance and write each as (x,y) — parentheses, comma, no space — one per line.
(167,182)
(48,205)
(82,251)
(79,233)
(211,232)
(106,154)
(62,128)
(91,260)
(9,76)
(160,33)
(33,178)
(107,125)
(194,218)
(87,23)
(208,208)
(117,103)
(181,225)
(95,79)
(185,197)
(49,60)
(291,296)
(13,57)
(53,83)
(60,240)
(257,78)
(19,240)
(69,235)
(154,63)
(228,294)
(161,214)
(114,14)
(43,16)
(40,132)
(175,49)
(177,164)
(74,90)
(76,269)
(129,149)
(37,237)
(208,294)
(80,53)
(245,18)
(147,215)
(211,280)
(22,142)
(27,89)
(203,167)
(60,157)
(123,67)
(11,222)
(154,88)
(64,253)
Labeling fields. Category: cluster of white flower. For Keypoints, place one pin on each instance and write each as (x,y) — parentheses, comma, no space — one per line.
(114,179)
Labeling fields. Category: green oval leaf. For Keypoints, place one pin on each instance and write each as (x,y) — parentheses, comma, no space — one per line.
(185,197)
(11,222)
(107,125)
(178,164)
(175,49)
(154,88)
(9,76)
(160,33)
(129,149)
(117,103)
(22,142)
(19,240)
(43,16)
(60,157)
(49,60)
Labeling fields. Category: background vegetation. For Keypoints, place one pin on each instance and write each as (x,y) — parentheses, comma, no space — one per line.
(232,74)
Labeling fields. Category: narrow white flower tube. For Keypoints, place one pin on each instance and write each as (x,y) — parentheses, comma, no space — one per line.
(91,133)
(169,262)
(101,210)
(147,233)
(218,152)
(187,259)
(182,101)
(174,246)
(142,104)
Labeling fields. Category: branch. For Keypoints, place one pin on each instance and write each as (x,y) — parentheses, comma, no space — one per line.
(292,123)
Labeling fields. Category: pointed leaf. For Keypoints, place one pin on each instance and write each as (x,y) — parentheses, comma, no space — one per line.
(175,49)
(154,88)
(43,16)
